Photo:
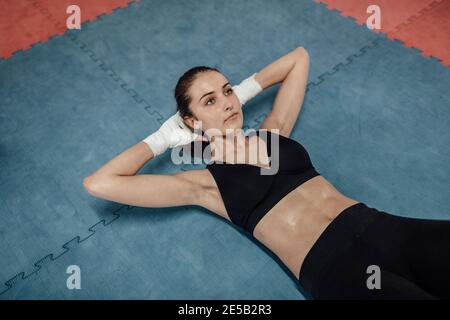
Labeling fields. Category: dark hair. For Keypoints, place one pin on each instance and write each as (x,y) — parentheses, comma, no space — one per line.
(181,89)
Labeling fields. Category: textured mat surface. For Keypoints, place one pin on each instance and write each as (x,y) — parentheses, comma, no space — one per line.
(26,22)
(423,24)
(393,13)
(428,32)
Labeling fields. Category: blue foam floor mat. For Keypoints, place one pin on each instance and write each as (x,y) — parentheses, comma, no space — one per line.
(375,120)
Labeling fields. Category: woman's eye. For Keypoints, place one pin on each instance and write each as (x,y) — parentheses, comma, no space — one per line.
(230,90)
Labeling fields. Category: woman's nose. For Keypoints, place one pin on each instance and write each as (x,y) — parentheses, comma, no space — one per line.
(228,106)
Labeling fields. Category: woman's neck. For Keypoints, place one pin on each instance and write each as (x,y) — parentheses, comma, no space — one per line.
(240,148)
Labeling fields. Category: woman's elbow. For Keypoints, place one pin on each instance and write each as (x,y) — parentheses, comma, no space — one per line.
(302,53)
(92,185)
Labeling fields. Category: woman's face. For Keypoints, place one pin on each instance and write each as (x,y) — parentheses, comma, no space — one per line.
(213,101)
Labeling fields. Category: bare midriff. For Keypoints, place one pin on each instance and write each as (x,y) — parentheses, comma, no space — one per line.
(294,224)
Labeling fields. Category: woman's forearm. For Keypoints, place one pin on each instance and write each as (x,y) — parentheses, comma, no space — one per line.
(128,163)
(278,70)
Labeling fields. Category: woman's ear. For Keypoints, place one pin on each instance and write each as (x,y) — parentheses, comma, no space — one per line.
(189,122)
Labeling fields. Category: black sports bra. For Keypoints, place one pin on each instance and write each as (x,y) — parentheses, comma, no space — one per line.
(247,194)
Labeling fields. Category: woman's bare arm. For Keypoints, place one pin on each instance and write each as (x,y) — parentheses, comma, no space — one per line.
(128,163)
(278,70)
(117,181)
(292,71)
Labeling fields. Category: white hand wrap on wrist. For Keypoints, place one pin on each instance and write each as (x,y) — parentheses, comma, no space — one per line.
(172,133)
(247,89)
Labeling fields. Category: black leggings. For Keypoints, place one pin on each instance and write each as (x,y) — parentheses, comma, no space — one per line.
(411,257)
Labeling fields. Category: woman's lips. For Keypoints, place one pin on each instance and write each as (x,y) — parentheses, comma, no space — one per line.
(231,117)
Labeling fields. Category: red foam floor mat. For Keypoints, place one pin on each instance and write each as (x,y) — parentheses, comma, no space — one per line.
(25,22)
(423,24)
(393,12)
(428,32)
